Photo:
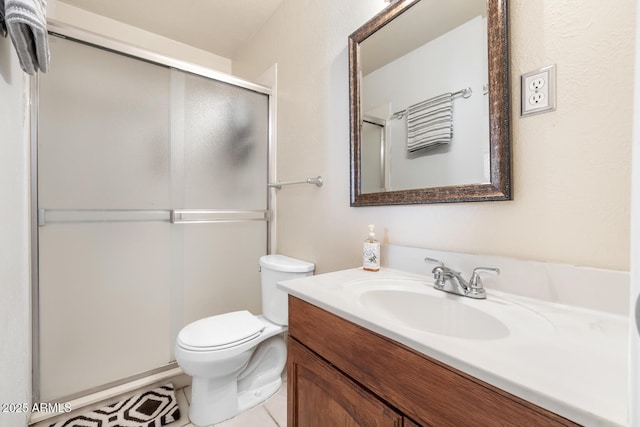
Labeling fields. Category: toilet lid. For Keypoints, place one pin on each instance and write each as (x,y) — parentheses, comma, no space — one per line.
(220,331)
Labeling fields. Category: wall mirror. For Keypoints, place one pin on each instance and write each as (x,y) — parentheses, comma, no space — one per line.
(429,104)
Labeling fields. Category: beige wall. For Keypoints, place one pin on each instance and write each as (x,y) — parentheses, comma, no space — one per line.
(571,167)
(15,331)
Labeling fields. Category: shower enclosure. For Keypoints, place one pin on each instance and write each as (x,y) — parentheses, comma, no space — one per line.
(152,211)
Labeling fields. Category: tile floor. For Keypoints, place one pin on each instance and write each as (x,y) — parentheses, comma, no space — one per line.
(272,413)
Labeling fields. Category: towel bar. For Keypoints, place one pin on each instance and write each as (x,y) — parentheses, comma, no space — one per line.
(317,181)
(464,93)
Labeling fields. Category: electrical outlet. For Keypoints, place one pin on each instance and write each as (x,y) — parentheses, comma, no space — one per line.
(538,91)
(536,84)
(537,99)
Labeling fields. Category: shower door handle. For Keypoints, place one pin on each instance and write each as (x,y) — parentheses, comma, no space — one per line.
(206,216)
(81,215)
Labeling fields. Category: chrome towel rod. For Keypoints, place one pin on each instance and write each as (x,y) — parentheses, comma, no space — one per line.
(464,93)
(317,181)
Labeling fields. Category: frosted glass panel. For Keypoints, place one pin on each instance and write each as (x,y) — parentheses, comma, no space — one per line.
(221,268)
(104,312)
(103,130)
(121,142)
(226,134)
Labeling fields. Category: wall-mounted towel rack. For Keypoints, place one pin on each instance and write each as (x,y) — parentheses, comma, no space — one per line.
(317,181)
(464,93)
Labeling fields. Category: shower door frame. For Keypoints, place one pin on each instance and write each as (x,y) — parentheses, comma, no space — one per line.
(173,216)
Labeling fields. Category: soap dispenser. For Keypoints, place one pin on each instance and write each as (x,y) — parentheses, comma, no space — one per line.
(371,252)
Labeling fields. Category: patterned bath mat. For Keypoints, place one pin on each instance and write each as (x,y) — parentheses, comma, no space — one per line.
(154,408)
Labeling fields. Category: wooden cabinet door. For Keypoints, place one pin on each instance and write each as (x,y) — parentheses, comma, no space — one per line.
(409,423)
(320,396)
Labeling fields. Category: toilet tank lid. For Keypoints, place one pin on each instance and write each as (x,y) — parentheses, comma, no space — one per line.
(285,264)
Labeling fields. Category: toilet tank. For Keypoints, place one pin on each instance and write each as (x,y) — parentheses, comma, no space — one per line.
(273,269)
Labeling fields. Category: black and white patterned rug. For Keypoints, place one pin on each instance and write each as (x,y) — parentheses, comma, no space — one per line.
(153,408)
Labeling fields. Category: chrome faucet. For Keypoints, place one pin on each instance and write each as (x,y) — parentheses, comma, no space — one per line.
(451,281)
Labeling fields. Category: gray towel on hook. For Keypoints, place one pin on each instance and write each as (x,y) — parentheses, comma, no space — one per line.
(3,25)
(27,25)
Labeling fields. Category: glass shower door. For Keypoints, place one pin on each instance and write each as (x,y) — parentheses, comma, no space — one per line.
(226,130)
(152,201)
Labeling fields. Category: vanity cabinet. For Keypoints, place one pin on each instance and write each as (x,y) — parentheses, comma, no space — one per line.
(325,397)
(341,374)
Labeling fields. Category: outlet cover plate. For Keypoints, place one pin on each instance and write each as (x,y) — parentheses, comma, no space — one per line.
(538,91)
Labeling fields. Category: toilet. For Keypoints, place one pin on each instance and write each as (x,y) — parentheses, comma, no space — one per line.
(236,359)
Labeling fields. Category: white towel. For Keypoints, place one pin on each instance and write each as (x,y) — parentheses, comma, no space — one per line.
(27,25)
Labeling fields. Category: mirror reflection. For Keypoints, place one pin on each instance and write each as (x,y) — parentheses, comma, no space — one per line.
(430,103)
(424,93)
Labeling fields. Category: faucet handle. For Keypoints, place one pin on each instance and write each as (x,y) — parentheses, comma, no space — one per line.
(475,283)
(438,272)
(437,261)
(495,271)
(438,276)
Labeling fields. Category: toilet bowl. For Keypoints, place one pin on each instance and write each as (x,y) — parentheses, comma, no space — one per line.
(236,359)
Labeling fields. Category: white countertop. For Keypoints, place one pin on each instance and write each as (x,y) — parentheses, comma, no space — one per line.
(575,365)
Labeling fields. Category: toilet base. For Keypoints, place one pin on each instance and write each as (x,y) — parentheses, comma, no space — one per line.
(249,399)
(245,401)
(214,400)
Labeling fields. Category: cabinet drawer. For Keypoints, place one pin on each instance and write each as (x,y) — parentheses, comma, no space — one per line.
(422,388)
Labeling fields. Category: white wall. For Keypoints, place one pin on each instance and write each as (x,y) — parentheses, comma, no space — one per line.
(67,14)
(571,167)
(15,330)
(634,306)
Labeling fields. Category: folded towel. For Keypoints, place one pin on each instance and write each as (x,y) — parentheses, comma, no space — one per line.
(442,136)
(430,122)
(27,25)
(3,25)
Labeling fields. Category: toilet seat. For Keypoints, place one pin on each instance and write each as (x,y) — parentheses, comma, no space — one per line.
(220,332)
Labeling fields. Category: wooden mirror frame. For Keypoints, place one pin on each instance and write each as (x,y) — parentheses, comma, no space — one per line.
(499,188)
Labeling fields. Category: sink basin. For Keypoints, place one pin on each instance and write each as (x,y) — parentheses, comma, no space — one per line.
(416,305)
(442,316)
